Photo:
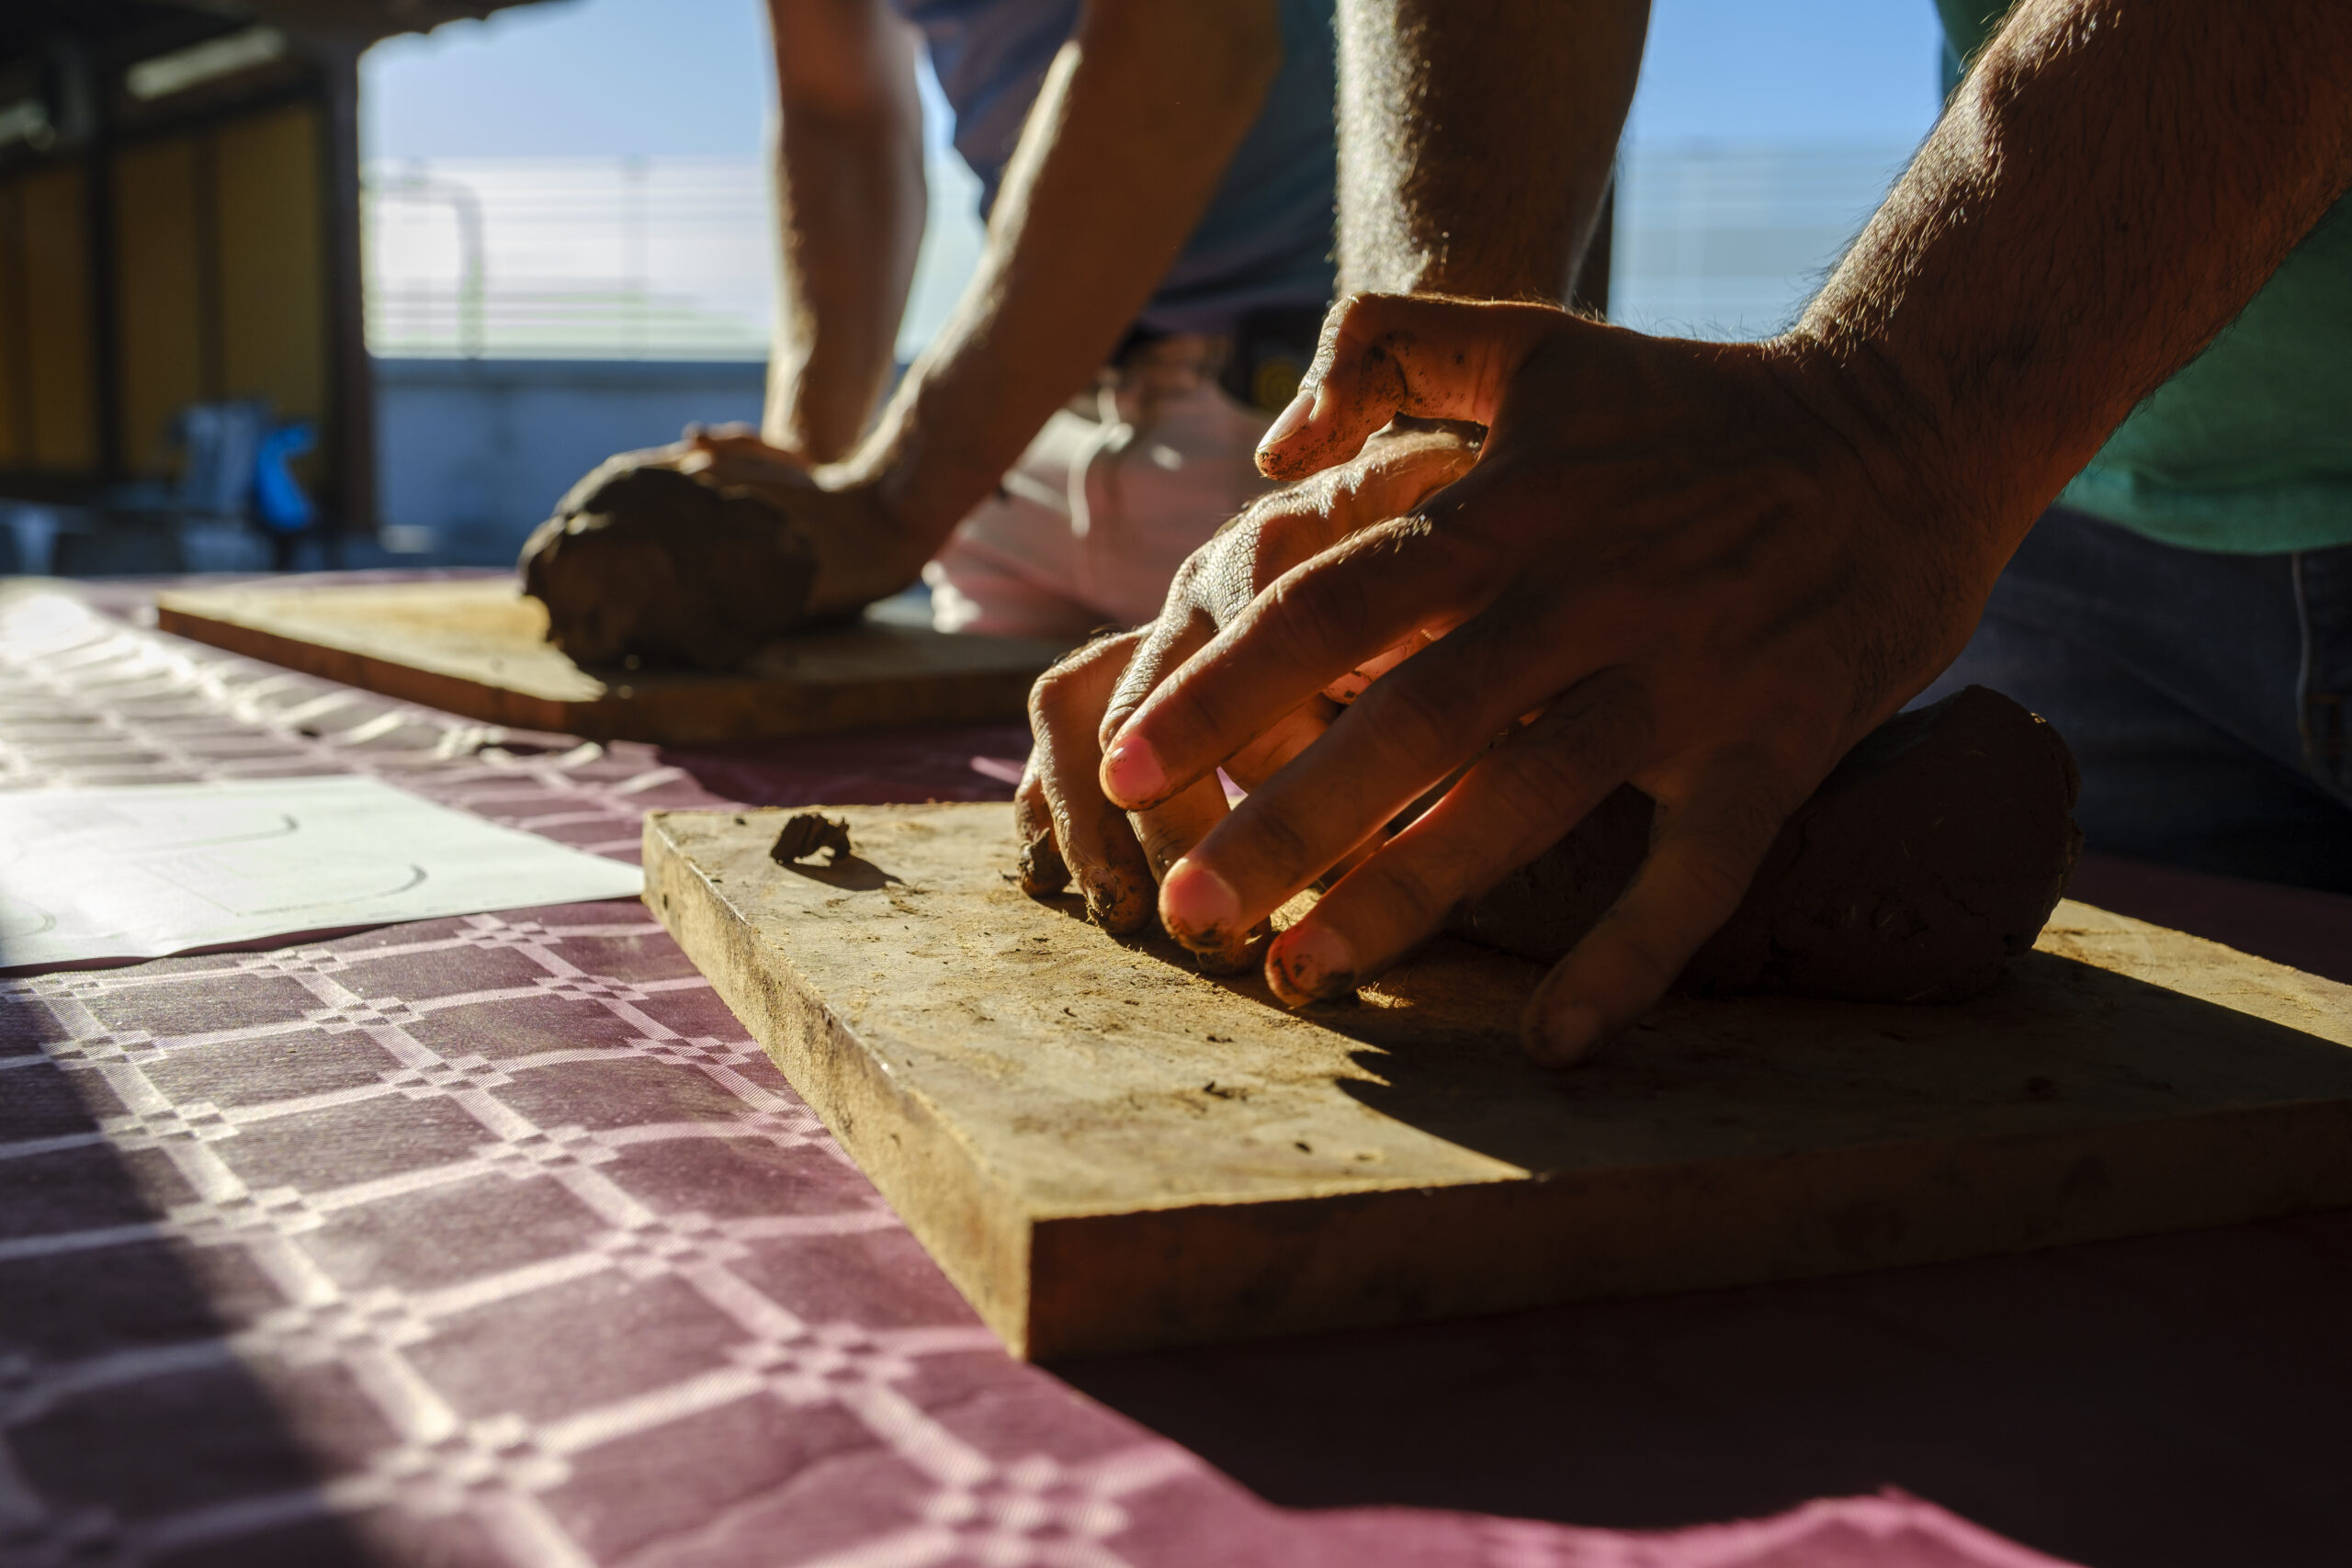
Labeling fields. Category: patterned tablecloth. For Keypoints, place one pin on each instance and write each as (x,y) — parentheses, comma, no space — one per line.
(494,1240)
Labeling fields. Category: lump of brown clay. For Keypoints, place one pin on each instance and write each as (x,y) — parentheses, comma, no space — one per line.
(647,562)
(1931,855)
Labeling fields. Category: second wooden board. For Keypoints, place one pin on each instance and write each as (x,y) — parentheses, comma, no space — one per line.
(479,648)
(1106,1149)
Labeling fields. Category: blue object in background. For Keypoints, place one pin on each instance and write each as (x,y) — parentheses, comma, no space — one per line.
(279,502)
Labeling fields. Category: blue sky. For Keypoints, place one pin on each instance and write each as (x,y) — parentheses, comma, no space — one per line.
(688,77)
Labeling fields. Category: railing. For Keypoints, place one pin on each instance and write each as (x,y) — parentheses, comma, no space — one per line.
(673,258)
(594,257)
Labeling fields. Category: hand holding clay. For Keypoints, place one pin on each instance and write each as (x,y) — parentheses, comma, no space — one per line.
(1927,859)
(1705,570)
(1069,828)
(701,552)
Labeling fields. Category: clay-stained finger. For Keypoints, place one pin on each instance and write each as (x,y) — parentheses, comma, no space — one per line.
(1163,646)
(1317,622)
(1167,833)
(1504,810)
(1278,533)
(1097,844)
(1040,867)
(1430,716)
(1707,840)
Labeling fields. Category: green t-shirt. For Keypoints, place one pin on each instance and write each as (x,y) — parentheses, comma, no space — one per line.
(2248,447)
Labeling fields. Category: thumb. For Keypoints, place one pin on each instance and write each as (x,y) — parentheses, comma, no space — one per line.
(1385,354)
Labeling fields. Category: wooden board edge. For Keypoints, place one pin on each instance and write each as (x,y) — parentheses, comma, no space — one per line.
(678,716)
(1205,1273)
(973,1228)
(405,682)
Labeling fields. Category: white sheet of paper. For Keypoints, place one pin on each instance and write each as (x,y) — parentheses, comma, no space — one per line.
(139,872)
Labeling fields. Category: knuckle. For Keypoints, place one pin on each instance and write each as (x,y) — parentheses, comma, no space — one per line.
(1281,845)
(1540,787)
(1649,958)
(1413,719)
(1078,674)
(1742,824)
(1353,312)
(1714,875)
(1048,695)
(1407,891)
(1201,563)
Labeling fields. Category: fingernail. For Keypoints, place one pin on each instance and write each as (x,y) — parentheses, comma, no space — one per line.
(1563,1034)
(1310,964)
(1112,904)
(1041,868)
(1231,959)
(1132,775)
(1292,419)
(1197,905)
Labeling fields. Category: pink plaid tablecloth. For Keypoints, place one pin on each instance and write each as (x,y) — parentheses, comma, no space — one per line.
(494,1240)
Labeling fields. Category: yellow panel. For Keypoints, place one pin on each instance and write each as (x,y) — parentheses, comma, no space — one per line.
(13,454)
(57,318)
(159,296)
(272,262)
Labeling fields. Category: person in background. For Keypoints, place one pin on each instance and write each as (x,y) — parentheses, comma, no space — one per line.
(1158,181)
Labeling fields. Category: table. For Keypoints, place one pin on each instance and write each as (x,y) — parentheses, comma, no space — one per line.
(494,1240)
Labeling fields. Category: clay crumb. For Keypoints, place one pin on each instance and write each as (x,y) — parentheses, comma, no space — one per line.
(808,834)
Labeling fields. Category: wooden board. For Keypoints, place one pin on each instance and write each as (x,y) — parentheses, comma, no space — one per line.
(479,648)
(1106,1150)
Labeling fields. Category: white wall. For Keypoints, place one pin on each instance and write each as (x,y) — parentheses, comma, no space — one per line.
(474,454)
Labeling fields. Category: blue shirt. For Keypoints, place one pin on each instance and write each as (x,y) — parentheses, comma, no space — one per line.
(1266,239)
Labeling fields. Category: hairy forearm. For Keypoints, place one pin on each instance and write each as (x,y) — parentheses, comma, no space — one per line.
(1129,138)
(2113,184)
(850,195)
(1476,139)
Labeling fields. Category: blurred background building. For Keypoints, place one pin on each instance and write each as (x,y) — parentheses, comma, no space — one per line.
(181,348)
(560,244)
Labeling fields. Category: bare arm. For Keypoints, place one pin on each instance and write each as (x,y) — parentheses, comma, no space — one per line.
(1476,139)
(2111,186)
(1127,142)
(1475,144)
(849,188)
(1711,568)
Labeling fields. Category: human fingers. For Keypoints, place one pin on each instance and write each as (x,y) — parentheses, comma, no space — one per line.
(1386,355)
(1407,732)
(1278,531)
(1168,833)
(1040,866)
(1510,805)
(1706,842)
(1358,680)
(1363,596)
(1311,625)
(1096,843)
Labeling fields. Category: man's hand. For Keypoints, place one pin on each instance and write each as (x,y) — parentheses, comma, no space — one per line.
(703,550)
(1671,566)
(863,550)
(1069,830)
